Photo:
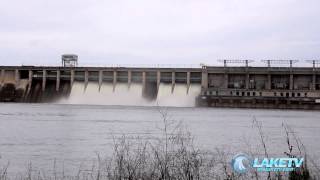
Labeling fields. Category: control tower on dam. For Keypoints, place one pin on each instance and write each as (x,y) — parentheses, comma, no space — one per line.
(219,86)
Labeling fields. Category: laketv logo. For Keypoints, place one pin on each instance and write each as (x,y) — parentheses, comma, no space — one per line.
(242,162)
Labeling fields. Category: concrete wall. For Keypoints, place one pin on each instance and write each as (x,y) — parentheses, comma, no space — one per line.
(302,82)
(217,80)
(258,81)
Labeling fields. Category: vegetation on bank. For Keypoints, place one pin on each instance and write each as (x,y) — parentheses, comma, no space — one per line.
(174,156)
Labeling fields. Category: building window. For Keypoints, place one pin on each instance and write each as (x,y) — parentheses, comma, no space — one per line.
(275,94)
(242,93)
(305,94)
(299,95)
(231,93)
(281,94)
(248,93)
(254,93)
(260,93)
(237,93)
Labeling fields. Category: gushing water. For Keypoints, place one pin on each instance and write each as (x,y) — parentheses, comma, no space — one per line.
(178,95)
(120,94)
(123,94)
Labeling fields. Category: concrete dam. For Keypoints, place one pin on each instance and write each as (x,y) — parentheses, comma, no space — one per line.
(213,86)
(106,86)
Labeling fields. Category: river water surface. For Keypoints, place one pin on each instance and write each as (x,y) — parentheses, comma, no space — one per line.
(74,134)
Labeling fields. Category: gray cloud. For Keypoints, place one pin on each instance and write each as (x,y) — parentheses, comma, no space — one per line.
(157,31)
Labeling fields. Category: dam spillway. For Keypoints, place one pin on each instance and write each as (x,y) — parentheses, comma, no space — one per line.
(253,87)
(103,86)
(122,94)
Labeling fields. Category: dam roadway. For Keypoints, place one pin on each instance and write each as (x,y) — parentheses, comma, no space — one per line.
(253,87)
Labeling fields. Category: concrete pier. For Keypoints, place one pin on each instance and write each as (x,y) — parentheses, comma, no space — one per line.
(158,79)
(291,82)
(247,80)
(114,80)
(204,79)
(86,79)
(144,81)
(3,71)
(188,82)
(100,79)
(58,80)
(314,81)
(71,78)
(225,81)
(17,77)
(269,82)
(30,77)
(44,79)
(173,81)
(129,79)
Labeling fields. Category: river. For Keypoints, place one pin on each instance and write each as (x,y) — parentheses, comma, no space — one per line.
(74,134)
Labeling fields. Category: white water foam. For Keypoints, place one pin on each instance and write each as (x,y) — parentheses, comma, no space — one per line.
(122,94)
(179,97)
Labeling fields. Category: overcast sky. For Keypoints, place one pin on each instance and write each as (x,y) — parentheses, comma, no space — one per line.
(103,32)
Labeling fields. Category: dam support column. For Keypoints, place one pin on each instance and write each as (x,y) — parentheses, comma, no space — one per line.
(100,79)
(269,82)
(173,81)
(129,79)
(291,82)
(71,78)
(188,82)
(247,81)
(29,81)
(3,71)
(143,82)
(17,77)
(86,79)
(314,76)
(313,81)
(247,75)
(114,80)
(204,79)
(225,82)
(58,80)
(158,79)
(44,79)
